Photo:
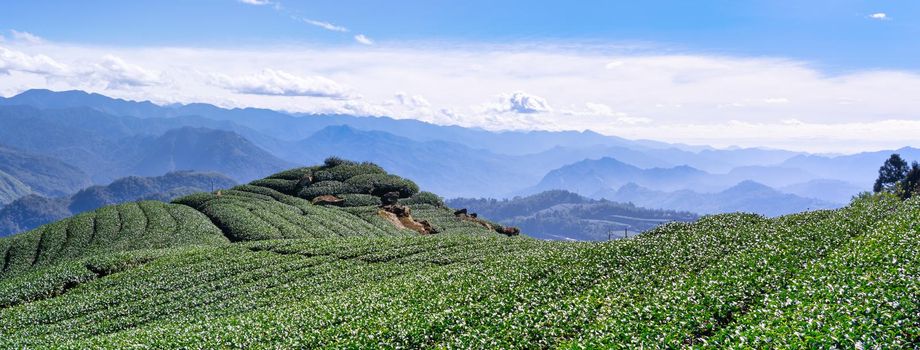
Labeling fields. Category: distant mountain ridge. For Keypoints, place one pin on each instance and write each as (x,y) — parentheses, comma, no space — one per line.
(32,210)
(109,147)
(515,161)
(561,214)
(747,196)
(24,172)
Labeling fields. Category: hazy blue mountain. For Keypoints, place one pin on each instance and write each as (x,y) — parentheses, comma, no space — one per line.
(860,169)
(590,176)
(205,150)
(566,215)
(11,188)
(285,127)
(747,196)
(32,211)
(108,147)
(834,191)
(40,174)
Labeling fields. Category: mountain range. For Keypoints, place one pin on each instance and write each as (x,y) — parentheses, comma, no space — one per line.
(109,138)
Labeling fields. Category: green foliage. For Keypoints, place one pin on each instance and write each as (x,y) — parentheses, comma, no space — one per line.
(280,185)
(346,171)
(118,228)
(295,174)
(821,279)
(359,200)
(326,188)
(423,197)
(336,161)
(380,184)
(305,276)
(890,173)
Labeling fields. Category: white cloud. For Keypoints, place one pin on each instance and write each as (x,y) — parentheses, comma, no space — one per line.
(776,100)
(26,37)
(411,101)
(613,64)
(115,73)
(520,102)
(256,2)
(650,96)
(880,16)
(325,25)
(280,83)
(363,39)
(11,60)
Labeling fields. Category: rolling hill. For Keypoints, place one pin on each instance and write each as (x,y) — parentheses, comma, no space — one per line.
(565,215)
(376,263)
(32,211)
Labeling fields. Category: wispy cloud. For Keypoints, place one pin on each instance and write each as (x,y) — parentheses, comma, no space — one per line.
(326,25)
(26,37)
(880,16)
(257,2)
(361,38)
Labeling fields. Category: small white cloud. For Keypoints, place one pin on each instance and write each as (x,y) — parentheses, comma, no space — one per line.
(279,83)
(26,37)
(599,108)
(115,73)
(634,120)
(363,39)
(614,64)
(256,2)
(411,101)
(325,25)
(880,16)
(776,100)
(521,102)
(11,60)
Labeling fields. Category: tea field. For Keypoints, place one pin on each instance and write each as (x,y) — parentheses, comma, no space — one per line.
(261,266)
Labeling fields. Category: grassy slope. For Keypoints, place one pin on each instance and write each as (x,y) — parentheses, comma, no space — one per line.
(815,279)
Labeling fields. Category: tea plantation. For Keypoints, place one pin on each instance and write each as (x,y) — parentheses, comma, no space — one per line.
(262,266)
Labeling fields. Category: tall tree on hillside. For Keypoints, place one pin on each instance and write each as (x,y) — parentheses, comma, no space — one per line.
(911,184)
(891,173)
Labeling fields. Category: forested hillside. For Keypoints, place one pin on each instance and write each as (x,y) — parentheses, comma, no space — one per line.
(565,215)
(344,255)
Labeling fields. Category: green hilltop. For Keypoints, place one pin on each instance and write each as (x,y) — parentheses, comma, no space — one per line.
(345,255)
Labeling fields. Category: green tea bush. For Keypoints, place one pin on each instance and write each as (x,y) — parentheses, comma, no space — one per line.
(336,161)
(346,171)
(293,174)
(359,200)
(280,185)
(380,184)
(326,188)
(423,197)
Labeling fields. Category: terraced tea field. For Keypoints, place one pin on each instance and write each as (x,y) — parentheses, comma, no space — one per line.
(261,266)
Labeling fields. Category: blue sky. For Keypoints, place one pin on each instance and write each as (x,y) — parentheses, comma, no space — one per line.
(823,76)
(833,34)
